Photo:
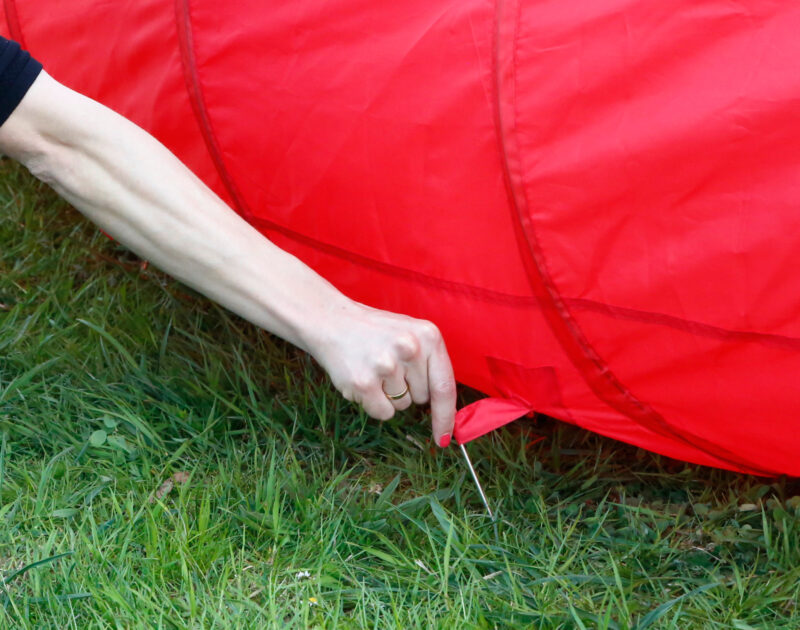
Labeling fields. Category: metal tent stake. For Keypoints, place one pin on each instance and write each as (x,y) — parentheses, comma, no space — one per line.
(477,483)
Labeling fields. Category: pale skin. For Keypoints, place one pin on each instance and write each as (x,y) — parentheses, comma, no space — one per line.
(131,186)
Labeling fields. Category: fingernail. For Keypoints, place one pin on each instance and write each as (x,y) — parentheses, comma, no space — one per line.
(444,441)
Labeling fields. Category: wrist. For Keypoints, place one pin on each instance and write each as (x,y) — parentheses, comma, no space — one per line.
(319,333)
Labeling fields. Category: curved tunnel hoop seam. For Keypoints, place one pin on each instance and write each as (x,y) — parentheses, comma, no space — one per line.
(597,374)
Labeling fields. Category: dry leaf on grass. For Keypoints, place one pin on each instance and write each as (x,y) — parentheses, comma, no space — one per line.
(180,477)
(166,487)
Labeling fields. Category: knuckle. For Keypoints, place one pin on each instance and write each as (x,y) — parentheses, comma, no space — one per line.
(362,384)
(385,364)
(444,388)
(421,398)
(345,388)
(429,332)
(407,346)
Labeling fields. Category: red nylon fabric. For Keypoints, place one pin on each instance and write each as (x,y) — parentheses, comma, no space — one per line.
(597,202)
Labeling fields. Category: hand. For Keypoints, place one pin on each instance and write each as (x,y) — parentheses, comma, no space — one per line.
(370,354)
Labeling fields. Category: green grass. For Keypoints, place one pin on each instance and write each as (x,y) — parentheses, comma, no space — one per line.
(113,378)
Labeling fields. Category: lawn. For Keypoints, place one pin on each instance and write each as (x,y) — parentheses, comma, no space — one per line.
(164,464)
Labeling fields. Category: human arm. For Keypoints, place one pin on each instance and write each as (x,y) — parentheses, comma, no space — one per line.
(130,185)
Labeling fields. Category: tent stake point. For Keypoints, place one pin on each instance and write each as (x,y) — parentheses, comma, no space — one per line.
(477,482)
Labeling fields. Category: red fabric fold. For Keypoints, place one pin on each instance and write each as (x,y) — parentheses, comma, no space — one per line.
(541,393)
(486,415)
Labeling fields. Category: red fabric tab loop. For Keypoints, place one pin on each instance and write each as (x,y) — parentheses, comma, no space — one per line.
(526,390)
(486,415)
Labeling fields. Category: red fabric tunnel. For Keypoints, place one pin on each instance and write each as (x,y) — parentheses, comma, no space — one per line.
(598,202)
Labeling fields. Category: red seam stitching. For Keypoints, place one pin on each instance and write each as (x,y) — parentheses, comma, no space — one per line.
(700,329)
(784,342)
(192,78)
(452,286)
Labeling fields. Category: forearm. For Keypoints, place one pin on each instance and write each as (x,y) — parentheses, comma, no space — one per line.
(137,191)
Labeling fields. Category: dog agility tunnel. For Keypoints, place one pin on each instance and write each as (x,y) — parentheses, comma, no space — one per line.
(597,202)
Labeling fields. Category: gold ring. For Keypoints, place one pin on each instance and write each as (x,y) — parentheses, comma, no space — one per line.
(396,396)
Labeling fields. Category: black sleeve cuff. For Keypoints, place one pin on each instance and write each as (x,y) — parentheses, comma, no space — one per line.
(18,71)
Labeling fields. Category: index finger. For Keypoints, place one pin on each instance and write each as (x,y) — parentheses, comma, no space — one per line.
(442,387)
